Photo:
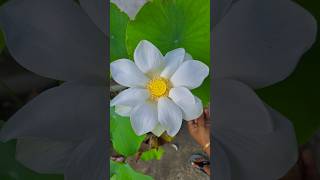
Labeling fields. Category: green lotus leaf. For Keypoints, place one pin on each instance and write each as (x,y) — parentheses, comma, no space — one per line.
(118,26)
(175,24)
(121,171)
(124,139)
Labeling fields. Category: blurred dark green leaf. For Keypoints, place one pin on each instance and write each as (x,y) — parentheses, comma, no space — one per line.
(2,40)
(2,2)
(174,24)
(10,169)
(298,96)
(118,26)
(124,139)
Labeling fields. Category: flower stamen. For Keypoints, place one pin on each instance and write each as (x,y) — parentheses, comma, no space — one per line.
(158,87)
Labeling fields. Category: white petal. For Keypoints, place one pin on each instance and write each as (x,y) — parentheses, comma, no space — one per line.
(57,39)
(173,60)
(144,118)
(126,73)
(69,105)
(158,130)
(130,7)
(190,74)
(148,57)
(278,150)
(88,161)
(220,8)
(261,42)
(123,110)
(97,11)
(221,162)
(236,106)
(191,105)
(130,97)
(169,116)
(44,155)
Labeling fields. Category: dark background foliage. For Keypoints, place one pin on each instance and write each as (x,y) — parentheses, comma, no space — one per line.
(298,96)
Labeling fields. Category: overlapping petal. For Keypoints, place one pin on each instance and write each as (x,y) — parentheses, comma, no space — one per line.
(158,130)
(144,118)
(126,73)
(54,38)
(173,60)
(190,105)
(130,97)
(123,110)
(257,155)
(97,10)
(71,111)
(261,42)
(190,74)
(237,107)
(43,155)
(148,58)
(221,162)
(90,158)
(169,116)
(220,8)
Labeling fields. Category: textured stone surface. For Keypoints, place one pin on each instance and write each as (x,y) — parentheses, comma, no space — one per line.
(174,164)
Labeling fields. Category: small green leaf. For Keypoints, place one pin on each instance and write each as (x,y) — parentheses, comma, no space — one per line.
(124,139)
(118,25)
(175,24)
(114,166)
(121,171)
(152,154)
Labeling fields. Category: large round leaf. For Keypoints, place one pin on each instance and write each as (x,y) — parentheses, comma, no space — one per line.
(174,24)
(118,26)
(124,139)
(298,96)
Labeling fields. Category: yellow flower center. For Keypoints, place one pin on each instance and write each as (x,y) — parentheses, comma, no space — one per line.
(158,87)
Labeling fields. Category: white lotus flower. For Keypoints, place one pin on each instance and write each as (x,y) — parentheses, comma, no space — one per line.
(159,95)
